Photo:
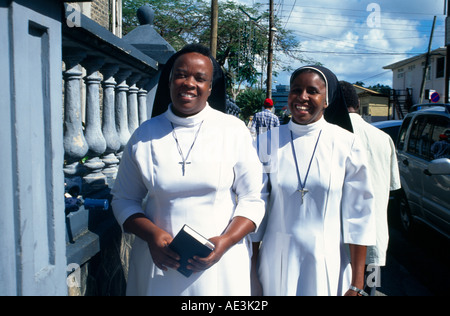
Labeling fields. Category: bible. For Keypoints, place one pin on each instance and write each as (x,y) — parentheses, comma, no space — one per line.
(187,244)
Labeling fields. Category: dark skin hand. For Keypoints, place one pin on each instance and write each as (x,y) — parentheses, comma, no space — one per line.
(235,232)
(164,258)
(157,240)
(358,261)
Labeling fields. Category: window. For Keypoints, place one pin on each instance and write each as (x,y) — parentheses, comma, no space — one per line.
(402,134)
(419,137)
(429,138)
(440,67)
(365,110)
(440,138)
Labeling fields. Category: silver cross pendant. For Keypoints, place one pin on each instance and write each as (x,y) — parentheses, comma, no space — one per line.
(303,191)
(184,163)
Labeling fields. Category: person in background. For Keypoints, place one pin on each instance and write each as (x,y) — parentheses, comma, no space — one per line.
(441,148)
(265,120)
(385,177)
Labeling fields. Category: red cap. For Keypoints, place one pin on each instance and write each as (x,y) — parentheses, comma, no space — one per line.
(268,103)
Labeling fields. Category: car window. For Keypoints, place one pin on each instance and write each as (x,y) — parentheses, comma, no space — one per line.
(440,139)
(429,138)
(420,139)
(402,134)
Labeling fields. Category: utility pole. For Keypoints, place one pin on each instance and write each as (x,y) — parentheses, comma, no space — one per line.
(447,57)
(214,26)
(270,55)
(427,63)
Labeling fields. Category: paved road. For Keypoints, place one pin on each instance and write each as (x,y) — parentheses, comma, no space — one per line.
(418,265)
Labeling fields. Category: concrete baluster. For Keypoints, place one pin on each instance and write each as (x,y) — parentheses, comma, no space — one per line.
(109,122)
(133,115)
(121,109)
(94,179)
(142,101)
(75,145)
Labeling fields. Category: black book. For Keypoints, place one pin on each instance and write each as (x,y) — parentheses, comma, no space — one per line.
(187,244)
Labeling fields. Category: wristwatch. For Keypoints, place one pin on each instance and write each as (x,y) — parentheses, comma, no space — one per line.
(359,291)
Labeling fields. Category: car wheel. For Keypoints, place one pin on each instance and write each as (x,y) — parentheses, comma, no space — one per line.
(406,218)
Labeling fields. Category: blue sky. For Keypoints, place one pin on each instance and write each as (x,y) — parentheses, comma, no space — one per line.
(356,38)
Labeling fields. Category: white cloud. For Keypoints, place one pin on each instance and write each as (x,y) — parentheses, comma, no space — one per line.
(339,34)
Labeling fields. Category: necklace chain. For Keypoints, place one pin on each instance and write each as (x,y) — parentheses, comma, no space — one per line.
(303,190)
(180,151)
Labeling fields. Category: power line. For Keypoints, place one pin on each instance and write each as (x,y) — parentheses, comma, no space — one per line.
(290,14)
(363,27)
(365,11)
(365,47)
(414,25)
(364,21)
(361,20)
(361,16)
(353,53)
(377,75)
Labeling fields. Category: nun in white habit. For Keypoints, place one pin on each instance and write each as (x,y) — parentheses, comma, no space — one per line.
(192,165)
(320,209)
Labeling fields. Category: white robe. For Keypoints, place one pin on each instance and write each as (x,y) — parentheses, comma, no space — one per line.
(303,248)
(224,180)
(385,177)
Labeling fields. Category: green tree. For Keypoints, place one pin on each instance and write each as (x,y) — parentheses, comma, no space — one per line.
(242,42)
(383,89)
(178,21)
(250,102)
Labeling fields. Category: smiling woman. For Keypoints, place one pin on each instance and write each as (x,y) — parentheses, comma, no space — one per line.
(320,196)
(322,94)
(194,166)
(217,97)
(191,84)
(307,99)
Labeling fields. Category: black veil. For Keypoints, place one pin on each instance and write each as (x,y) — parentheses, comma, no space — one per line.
(217,100)
(337,112)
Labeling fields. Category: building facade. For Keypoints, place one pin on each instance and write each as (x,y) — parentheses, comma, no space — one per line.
(280,97)
(374,106)
(408,76)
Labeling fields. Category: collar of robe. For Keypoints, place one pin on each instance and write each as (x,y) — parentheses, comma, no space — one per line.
(301,130)
(189,121)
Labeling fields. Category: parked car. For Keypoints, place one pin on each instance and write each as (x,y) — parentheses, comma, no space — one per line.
(424,106)
(423,150)
(390,127)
